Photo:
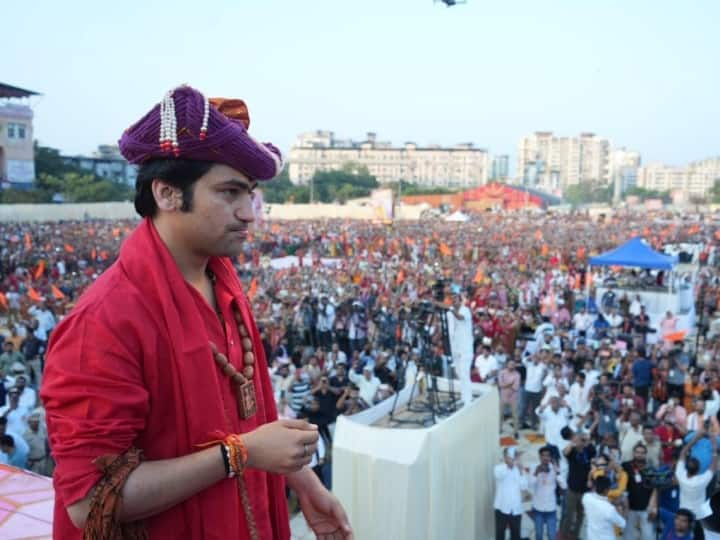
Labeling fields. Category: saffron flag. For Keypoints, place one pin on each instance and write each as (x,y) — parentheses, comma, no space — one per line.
(57,293)
(39,270)
(69,248)
(4,302)
(34,295)
(445,250)
(28,242)
(252,290)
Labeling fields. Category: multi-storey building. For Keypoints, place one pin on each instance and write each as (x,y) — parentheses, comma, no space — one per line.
(500,167)
(460,165)
(17,155)
(552,163)
(696,179)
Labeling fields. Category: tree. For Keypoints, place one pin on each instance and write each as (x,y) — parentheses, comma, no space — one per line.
(644,194)
(588,192)
(715,191)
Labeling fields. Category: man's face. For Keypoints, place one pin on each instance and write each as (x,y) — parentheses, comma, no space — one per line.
(340,370)
(640,455)
(20,382)
(700,406)
(220,214)
(34,424)
(545,458)
(682,525)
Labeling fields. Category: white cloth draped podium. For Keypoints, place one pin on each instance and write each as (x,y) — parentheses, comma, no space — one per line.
(416,484)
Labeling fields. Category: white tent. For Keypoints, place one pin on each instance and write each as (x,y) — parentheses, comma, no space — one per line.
(457,216)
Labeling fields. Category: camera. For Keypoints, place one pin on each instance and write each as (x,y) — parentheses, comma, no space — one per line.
(438,290)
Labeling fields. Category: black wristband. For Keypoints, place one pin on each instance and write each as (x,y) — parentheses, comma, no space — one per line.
(226,459)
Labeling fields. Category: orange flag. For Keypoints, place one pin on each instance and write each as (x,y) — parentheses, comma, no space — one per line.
(40,270)
(28,241)
(445,250)
(252,290)
(69,248)
(93,254)
(400,277)
(544,250)
(57,293)
(479,276)
(116,232)
(34,295)
(4,302)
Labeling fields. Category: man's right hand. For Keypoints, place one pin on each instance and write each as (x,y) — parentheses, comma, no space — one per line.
(281,447)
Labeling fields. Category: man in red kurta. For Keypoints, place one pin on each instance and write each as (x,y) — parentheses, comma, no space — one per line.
(136,401)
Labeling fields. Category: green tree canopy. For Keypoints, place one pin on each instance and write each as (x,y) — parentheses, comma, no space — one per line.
(588,192)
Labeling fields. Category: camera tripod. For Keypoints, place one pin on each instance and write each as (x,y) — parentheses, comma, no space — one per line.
(432,406)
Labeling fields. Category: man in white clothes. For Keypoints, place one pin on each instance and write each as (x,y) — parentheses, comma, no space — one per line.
(367,383)
(582,321)
(693,484)
(554,419)
(509,485)
(487,365)
(532,391)
(544,482)
(460,331)
(602,516)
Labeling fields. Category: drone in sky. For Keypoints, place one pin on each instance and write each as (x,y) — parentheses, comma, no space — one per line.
(451,3)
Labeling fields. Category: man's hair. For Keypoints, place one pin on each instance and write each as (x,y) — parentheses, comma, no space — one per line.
(544,449)
(640,445)
(180,173)
(692,465)
(688,514)
(602,485)
(7,440)
(3,421)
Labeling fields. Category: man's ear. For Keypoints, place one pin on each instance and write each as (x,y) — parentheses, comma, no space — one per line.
(167,197)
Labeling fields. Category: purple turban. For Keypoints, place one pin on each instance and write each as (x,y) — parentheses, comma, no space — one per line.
(187,125)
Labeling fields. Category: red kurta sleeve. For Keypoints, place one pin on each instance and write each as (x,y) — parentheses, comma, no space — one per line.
(94,396)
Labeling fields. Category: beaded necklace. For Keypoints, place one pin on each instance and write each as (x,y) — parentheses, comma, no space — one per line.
(242,381)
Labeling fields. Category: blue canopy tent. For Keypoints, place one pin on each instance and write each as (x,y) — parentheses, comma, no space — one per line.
(635,254)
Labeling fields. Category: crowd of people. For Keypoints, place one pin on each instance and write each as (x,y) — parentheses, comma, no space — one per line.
(629,418)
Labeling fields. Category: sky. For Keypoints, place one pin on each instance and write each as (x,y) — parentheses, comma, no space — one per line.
(641,73)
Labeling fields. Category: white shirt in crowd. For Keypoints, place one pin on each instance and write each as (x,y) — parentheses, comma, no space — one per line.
(579,398)
(17,419)
(693,490)
(543,487)
(509,484)
(326,317)
(553,422)
(20,444)
(367,388)
(27,400)
(602,517)
(486,364)
(534,374)
(629,437)
(582,321)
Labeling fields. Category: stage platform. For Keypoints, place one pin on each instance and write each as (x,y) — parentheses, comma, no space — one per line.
(409,481)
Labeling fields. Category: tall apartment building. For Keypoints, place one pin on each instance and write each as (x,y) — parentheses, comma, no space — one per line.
(500,167)
(697,178)
(552,163)
(17,154)
(624,165)
(460,165)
